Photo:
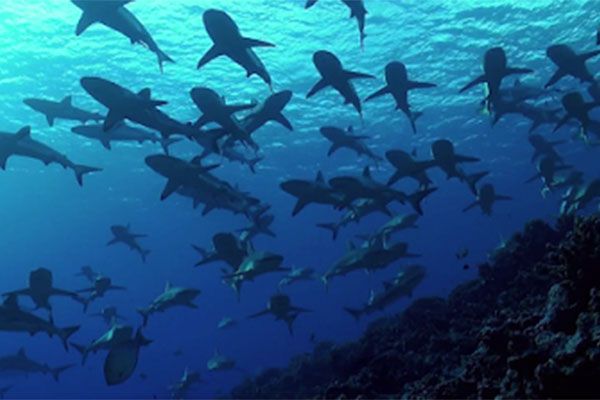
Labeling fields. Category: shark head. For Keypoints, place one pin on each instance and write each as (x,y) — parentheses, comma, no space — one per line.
(395,73)
(494,59)
(559,53)
(326,62)
(204,98)
(219,25)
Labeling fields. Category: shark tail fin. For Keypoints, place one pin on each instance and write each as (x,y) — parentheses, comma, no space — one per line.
(145,313)
(416,198)
(162,57)
(81,350)
(252,163)
(59,370)
(333,227)
(81,170)
(356,313)
(290,323)
(65,333)
(144,253)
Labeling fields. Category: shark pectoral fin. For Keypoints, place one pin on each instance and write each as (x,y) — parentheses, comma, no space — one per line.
(300,204)
(207,208)
(50,119)
(477,81)
(260,314)
(460,158)
(558,75)
(283,121)
(420,85)
(171,186)
(203,120)
(241,107)
(512,71)
(320,85)
(383,91)
(310,3)
(533,178)
(587,56)
(210,55)
(357,75)
(470,206)
(256,43)
(105,143)
(112,119)
(3,160)
(334,147)
(85,21)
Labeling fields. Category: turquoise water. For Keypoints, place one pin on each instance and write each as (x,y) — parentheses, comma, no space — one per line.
(48,221)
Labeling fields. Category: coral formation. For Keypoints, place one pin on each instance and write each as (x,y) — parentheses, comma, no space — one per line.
(528,327)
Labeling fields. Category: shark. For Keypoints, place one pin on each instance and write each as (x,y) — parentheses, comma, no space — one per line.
(122,234)
(114,15)
(333,74)
(63,109)
(402,285)
(398,85)
(21,363)
(172,296)
(22,144)
(14,319)
(40,288)
(121,361)
(122,132)
(281,307)
(228,41)
(486,197)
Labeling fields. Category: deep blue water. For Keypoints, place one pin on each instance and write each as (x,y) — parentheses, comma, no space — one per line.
(49,221)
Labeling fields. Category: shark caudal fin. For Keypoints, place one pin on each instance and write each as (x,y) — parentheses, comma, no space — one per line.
(81,350)
(162,57)
(356,313)
(81,170)
(416,198)
(145,313)
(59,370)
(65,333)
(333,227)
(144,253)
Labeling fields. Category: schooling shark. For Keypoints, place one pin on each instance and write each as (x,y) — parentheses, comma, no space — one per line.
(114,15)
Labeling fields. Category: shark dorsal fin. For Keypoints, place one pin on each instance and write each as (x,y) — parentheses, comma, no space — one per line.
(367,172)
(167,286)
(24,132)
(21,352)
(350,129)
(517,83)
(351,245)
(320,178)
(66,101)
(11,301)
(145,93)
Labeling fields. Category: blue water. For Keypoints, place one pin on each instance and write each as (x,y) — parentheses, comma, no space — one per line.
(49,221)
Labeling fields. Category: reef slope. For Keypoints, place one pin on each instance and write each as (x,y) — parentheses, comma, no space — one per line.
(528,327)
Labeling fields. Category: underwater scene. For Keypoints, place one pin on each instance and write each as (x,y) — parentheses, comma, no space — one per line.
(299,199)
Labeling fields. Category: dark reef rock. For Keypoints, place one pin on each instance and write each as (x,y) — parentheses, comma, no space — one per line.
(529,327)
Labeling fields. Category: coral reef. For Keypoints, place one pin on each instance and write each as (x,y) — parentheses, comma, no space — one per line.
(528,327)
